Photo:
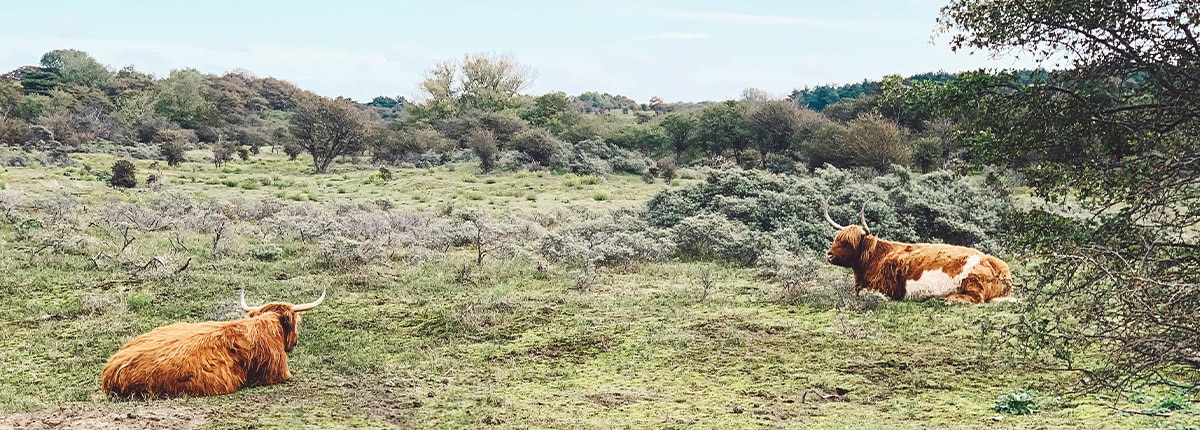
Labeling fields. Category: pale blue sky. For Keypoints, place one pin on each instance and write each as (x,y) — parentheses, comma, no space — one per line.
(678,50)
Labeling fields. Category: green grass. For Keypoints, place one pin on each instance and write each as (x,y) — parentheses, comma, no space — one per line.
(441,343)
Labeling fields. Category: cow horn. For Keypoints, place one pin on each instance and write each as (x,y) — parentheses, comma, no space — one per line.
(246,307)
(825,212)
(307,306)
(862,218)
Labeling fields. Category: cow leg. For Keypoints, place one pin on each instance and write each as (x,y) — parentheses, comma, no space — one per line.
(970,292)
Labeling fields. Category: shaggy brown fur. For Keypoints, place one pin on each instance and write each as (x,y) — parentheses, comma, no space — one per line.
(206,359)
(887,267)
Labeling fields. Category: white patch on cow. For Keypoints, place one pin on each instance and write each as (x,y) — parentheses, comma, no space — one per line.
(936,283)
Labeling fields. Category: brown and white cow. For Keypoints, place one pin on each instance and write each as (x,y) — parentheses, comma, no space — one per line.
(209,358)
(917,271)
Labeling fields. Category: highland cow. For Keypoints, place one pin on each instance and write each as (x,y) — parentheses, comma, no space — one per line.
(917,271)
(209,358)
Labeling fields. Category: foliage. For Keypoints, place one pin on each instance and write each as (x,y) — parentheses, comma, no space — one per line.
(77,67)
(1114,133)
(181,98)
(900,206)
(173,150)
(328,128)
(123,174)
(867,141)
(1017,403)
(487,82)
(540,146)
(483,143)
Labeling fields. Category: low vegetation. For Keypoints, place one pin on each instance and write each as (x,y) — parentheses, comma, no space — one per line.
(451,312)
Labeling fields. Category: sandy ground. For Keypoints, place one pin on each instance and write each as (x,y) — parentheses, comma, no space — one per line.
(88,417)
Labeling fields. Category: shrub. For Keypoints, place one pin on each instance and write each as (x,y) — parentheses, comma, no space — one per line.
(901,206)
(267,252)
(123,174)
(617,238)
(293,150)
(484,145)
(666,167)
(1018,403)
(340,253)
(540,147)
(173,151)
(710,237)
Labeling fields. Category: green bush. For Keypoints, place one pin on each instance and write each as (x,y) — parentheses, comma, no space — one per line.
(1018,403)
(900,206)
(123,174)
(711,237)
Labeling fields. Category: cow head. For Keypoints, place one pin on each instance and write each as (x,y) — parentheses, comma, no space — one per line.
(851,243)
(289,317)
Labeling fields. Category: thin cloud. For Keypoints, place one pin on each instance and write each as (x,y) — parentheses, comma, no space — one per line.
(674,36)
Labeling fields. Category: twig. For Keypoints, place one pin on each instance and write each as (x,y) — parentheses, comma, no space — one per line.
(183,267)
(96,260)
(1153,414)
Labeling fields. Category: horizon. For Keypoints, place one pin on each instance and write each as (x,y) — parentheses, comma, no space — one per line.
(679,51)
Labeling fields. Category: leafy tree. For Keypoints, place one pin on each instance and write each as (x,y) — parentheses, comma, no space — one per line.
(386,102)
(1116,132)
(171,147)
(77,67)
(328,128)
(280,94)
(182,98)
(774,125)
(723,127)
(547,108)
(235,98)
(293,150)
(483,143)
(40,81)
(486,82)
(223,152)
(540,146)
(124,174)
(679,129)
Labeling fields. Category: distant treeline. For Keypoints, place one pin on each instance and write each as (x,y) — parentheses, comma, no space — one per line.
(469,108)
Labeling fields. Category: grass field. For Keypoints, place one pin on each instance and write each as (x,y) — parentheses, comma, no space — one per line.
(438,342)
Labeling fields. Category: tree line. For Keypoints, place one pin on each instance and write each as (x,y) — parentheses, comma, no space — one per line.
(469,107)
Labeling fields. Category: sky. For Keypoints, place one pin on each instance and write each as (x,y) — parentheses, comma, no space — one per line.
(675,49)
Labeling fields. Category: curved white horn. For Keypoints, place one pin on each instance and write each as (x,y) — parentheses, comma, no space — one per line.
(246,307)
(307,306)
(825,211)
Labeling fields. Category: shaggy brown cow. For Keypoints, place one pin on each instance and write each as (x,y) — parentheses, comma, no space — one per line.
(918,271)
(209,358)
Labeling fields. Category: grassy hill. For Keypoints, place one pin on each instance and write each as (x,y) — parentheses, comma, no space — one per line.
(415,334)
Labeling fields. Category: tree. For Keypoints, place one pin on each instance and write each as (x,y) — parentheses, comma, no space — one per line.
(40,81)
(679,129)
(487,82)
(774,125)
(483,143)
(171,147)
(223,152)
(77,67)
(124,174)
(1116,133)
(539,145)
(723,127)
(547,108)
(182,98)
(328,128)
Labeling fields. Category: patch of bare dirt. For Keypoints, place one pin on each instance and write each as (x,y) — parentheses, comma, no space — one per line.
(83,417)
(611,400)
